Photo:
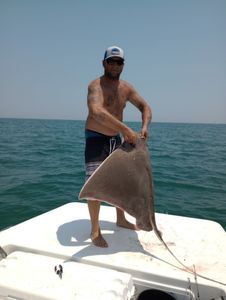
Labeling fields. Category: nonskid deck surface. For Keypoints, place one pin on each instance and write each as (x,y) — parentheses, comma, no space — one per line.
(63,235)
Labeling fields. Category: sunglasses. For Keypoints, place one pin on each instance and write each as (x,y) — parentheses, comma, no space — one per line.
(112,61)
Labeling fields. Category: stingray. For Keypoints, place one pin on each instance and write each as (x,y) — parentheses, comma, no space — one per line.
(124,180)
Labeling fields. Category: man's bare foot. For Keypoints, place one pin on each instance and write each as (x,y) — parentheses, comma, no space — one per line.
(126,224)
(121,220)
(98,240)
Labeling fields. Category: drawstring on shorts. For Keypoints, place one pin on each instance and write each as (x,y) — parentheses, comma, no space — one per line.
(112,145)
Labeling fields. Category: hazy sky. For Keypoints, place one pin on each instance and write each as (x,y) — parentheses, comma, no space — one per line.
(175,56)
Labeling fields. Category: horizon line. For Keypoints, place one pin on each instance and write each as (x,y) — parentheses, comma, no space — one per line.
(125,121)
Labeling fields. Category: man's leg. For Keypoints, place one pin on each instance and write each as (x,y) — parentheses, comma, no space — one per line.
(121,220)
(96,237)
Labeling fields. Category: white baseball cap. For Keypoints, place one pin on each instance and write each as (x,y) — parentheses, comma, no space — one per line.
(114,51)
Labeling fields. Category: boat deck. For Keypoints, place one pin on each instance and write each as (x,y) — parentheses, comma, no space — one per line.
(61,236)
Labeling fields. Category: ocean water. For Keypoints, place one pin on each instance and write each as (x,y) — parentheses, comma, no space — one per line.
(42,167)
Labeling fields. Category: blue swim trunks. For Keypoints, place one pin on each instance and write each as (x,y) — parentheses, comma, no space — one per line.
(97,148)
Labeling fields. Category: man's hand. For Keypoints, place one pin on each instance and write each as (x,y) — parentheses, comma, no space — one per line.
(130,136)
(144,133)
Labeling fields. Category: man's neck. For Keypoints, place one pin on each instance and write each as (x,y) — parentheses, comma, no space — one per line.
(108,79)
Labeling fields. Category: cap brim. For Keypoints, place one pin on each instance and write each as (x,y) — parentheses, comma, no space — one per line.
(110,56)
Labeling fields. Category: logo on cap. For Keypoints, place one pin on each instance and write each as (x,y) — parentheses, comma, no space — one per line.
(115,51)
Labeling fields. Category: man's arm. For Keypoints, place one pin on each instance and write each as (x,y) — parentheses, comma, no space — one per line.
(101,115)
(144,108)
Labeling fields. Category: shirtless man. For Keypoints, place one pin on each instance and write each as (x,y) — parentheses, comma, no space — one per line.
(107,97)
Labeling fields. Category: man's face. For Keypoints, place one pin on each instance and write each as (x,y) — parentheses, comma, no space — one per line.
(113,67)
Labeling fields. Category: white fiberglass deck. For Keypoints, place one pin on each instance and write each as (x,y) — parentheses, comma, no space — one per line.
(61,236)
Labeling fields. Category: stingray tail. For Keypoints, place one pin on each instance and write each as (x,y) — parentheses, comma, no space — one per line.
(185,268)
(159,236)
(158,233)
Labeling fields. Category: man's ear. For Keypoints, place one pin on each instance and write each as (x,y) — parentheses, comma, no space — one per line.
(103,63)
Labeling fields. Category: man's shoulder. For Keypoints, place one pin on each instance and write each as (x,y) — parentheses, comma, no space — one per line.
(126,84)
(94,81)
(94,84)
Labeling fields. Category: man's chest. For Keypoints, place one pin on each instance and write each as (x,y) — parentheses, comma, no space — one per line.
(115,99)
